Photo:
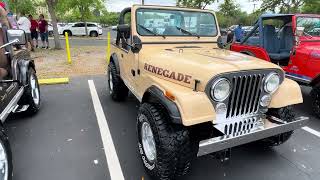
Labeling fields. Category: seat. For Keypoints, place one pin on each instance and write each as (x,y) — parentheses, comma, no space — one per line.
(272,44)
(286,39)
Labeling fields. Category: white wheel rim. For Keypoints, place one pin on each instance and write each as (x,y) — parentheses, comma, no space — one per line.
(34,89)
(148,142)
(110,82)
(4,171)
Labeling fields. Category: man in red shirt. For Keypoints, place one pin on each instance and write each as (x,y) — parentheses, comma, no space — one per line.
(34,30)
(43,30)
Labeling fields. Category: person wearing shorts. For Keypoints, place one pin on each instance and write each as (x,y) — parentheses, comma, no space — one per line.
(43,30)
(25,25)
(34,30)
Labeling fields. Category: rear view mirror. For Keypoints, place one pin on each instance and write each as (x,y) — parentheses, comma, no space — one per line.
(136,45)
(17,36)
(299,31)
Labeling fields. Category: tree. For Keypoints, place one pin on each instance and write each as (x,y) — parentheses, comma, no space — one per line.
(311,6)
(201,4)
(85,8)
(51,8)
(22,6)
(284,6)
(229,8)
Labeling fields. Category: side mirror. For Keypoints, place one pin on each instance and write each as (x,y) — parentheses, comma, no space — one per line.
(220,42)
(136,44)
(124,29)
(17,36)
(299,31)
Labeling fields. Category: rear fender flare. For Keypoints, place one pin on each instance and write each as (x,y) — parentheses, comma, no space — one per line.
(315,82)
(24,66)
(156,95)
(115,60)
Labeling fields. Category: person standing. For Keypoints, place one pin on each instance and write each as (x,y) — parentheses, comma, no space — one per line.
(25,24)
(34,30)
(239,33)
(43,29)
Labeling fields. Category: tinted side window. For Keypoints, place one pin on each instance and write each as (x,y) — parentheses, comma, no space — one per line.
(91,25)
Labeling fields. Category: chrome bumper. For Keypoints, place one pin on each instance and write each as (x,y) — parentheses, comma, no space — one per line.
(270,127)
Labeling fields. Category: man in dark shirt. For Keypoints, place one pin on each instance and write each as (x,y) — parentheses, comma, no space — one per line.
(34,30)
(43,29)
(239,33)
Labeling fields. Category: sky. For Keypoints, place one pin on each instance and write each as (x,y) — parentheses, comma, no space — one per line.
(118,5)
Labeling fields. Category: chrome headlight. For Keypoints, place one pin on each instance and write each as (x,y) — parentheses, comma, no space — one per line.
(272,83)
(220,89)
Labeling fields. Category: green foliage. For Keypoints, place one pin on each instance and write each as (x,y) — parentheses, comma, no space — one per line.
(311,6)
(201,4)
(229,8)
(281,6)
(22,6)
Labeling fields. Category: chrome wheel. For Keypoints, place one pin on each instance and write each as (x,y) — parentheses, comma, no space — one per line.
(35,89)
(4,171)
(148,142)
(110,82)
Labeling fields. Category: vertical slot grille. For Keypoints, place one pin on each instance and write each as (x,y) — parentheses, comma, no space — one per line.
(245,94)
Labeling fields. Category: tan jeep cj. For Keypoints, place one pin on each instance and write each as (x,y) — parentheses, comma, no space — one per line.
(196,99)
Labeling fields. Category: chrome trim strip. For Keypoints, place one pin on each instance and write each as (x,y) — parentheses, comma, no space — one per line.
(224,142)
(11,106)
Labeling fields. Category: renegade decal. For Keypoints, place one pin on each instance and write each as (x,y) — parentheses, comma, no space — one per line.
(168,74)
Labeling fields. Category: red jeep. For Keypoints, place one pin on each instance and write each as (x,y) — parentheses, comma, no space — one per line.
(291,41)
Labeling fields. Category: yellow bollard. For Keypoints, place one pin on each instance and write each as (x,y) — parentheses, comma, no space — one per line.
(108,47)
(68,48)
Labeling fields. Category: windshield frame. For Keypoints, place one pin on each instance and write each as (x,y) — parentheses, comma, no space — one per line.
(183,10)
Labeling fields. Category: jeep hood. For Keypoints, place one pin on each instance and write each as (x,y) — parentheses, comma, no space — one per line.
(185,65)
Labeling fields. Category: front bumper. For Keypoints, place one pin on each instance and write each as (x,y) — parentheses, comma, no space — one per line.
(271,126)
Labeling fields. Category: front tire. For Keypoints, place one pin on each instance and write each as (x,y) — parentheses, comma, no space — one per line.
(117,89)
(31,95)
(5,157)
(286,114)
(315,94)
(162,146)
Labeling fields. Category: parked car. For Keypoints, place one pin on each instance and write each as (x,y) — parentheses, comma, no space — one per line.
(291,41)
(19,89)
(78,29)
(50,29)
(196,99)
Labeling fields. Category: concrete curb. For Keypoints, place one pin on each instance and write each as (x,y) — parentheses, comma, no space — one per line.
(53,81)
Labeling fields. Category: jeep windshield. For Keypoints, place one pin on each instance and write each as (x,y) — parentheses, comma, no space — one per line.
(163,22)
(311,25)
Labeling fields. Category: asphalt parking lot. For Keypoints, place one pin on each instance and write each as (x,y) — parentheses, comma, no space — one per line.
(63,141)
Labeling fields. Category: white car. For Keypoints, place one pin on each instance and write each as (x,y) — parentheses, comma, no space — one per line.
(78,29)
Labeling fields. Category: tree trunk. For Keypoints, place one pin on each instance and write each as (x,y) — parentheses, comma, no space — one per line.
(86,27)
(51,6)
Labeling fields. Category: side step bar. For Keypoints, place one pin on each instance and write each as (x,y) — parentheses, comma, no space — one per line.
(270,129)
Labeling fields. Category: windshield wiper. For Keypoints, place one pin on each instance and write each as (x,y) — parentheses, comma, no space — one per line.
(187,32)
(152,32)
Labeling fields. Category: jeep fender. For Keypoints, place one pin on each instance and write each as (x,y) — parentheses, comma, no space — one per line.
(24,65)
(156,95)
(289,93)
(115,60)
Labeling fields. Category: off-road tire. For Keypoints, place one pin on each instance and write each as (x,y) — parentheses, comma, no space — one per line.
(174,148)
(6,145)
(119,92)
(286,114)
(315,94)
(94,34)
(27,98)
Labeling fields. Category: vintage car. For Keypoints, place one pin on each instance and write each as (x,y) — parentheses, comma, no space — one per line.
(196,99)
(19,89)
(291,41)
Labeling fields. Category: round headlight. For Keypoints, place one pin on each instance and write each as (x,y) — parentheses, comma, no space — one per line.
(220,90)
(272,83)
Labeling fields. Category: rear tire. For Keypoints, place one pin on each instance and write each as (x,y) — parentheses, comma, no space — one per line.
(6,155)
(69,33)
(31,95)
(173,152)
(315,94)
(94,34)
(286,114)
(117,89)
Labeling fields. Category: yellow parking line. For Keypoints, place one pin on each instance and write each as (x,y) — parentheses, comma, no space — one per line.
(53,81)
